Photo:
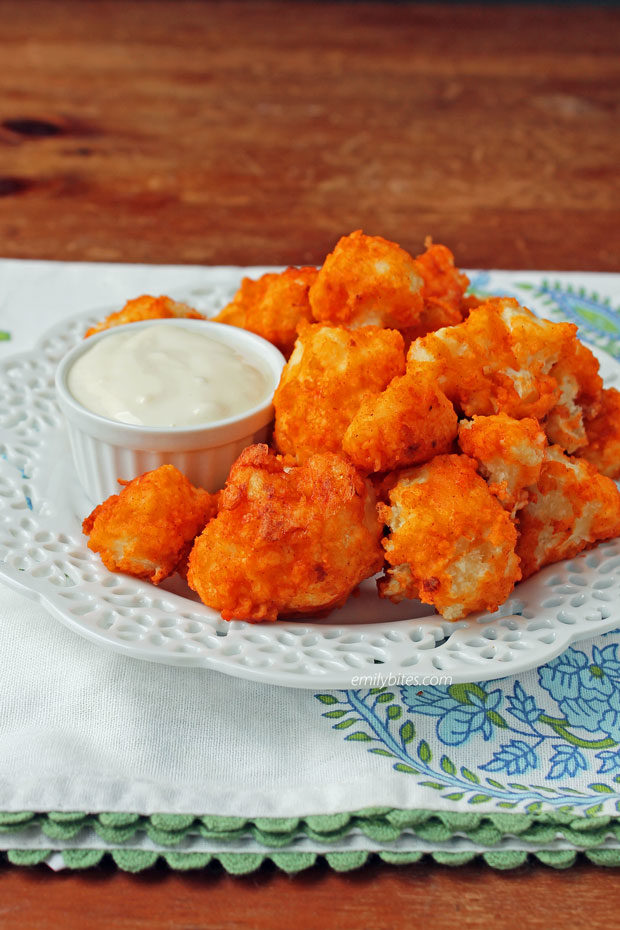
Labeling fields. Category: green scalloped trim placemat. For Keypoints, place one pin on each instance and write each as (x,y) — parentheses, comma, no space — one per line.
(137,860)
(381,825)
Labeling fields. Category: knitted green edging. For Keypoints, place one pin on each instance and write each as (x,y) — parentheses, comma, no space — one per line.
(382,825)
(137,860)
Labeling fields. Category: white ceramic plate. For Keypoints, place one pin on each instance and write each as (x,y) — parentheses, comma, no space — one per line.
(44,554)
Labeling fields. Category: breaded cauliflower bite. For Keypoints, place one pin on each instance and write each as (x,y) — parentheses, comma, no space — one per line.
(409,423)
(368,281)
(148,528)
(288,539)
(580,392)
(451,543)
(326,378)
(603,435)
(443,291)
(572,507)
(146,308)
(497,360)
(509,452)
(272,306)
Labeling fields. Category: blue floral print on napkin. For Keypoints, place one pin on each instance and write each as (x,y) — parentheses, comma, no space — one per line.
(556,725)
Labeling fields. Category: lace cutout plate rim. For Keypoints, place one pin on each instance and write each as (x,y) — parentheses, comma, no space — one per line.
(44,554)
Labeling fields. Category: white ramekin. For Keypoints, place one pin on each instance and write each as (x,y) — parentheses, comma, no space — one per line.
(104,450)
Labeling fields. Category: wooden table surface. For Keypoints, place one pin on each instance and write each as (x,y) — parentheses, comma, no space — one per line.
(258,133)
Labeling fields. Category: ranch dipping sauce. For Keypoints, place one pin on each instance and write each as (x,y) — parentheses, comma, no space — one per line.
(166,376)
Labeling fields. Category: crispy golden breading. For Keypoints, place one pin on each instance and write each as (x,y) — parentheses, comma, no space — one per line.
(603,435)
(147,529)
(509,452)
(572,507)
(443,282)
(409,423)
(443,291)
(368,281)
(326,378)
(272,306)
(288,539)
(580,387)
(146,308)
(498,360)
(451,542)
(504,359)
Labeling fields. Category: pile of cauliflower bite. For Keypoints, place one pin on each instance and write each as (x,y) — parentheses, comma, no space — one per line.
(456,446)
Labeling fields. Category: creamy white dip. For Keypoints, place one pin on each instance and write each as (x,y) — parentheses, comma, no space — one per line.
(166,376)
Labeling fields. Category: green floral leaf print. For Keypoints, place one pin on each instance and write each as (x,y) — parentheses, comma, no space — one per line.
(598,321)
(470,776)
(464,693)
(561,727)
(4,335)
(593,811)
(448,765)
(424,751)
(407,732)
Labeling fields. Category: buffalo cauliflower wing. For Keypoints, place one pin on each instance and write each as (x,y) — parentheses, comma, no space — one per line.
(443,291)
(450,542)
(603,435)
(571,508)
(368,281)
(407,424)
(145,308)
(148,528)
(580,392)
(325,380)
(272,306)
(288,539)
(497,360)
(509,452)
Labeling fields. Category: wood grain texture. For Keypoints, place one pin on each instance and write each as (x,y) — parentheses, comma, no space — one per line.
(260,132)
